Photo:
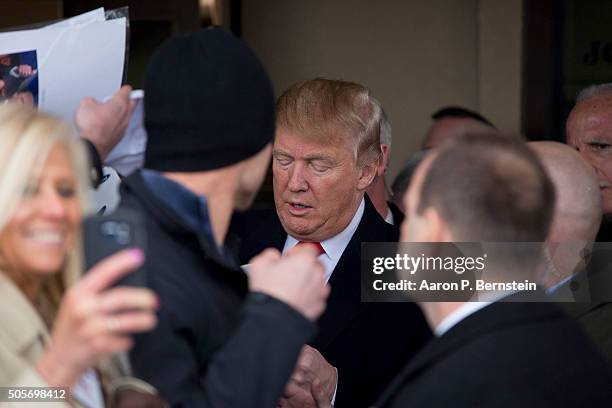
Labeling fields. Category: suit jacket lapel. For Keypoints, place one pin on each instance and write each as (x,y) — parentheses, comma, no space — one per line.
(343,304)
(258,230)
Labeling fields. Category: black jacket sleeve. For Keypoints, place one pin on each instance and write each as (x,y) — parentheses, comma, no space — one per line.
(95,163)
(251,368)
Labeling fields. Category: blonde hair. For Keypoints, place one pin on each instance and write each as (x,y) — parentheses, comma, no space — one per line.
(26,139)
(333,110)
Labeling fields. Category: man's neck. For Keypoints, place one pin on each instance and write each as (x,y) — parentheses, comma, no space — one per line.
(219,188)
(378,195)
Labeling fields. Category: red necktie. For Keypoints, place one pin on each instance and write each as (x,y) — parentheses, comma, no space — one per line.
(317,245)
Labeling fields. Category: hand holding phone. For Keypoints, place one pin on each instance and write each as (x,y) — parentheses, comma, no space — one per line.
(105,235)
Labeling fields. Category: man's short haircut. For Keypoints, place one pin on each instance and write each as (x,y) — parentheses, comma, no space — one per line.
(333,111)
(385,125)
(594,91)
(459,112)
(490,189)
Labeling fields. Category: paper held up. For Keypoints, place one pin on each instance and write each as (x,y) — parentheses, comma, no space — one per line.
(56,66)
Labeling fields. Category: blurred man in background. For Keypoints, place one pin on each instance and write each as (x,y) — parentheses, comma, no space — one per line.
(452,122)
(589,130)
(568,274)
(577,212)
(500,352)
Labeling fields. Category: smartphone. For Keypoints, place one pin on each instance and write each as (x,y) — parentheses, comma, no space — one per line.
(105,235)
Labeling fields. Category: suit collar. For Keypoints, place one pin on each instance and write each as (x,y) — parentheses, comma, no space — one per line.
(262,229)
(516,310)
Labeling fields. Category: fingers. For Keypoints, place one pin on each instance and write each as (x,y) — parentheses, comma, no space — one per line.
(111,269)
(25,70)
(307,353)
(111,345)
(132,322)
(120,104)
(291,390)
(107,326)
(267,256)
(124,298)
(123,94)
(308,249)
(87,102)
(318,393)
(302,377)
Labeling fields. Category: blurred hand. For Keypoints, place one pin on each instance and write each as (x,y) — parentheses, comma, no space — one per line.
(104,123)
(296,279)
(296,396)
(26,70)
(94,322)
(312,383)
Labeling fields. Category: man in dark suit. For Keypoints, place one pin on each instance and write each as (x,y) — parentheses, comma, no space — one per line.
(576,216)
(589,130)
(504,352)
(325,155)
(584,290)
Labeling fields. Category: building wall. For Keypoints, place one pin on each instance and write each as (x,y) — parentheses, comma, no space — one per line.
(415,56)
(25,12)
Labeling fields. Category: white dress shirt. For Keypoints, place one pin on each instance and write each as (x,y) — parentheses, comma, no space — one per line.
(467,309)
(128,155)
(389,219)
(334,247)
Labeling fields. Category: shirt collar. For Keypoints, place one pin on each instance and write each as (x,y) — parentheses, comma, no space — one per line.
(389,219)
(467,309)
(190,207)
(335,246)
(556,286)
(458,315)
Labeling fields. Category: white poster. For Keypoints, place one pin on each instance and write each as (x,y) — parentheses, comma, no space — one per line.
(55,67)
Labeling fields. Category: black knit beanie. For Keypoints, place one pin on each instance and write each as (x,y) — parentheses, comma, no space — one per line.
(208,103)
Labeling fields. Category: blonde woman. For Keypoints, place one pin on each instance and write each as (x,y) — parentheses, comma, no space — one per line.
(57,330)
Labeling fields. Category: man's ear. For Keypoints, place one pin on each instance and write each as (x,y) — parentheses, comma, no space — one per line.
(367,173)
(437,229)
(384,160)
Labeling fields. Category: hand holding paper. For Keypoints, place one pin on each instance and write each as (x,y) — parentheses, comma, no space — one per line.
(104,123)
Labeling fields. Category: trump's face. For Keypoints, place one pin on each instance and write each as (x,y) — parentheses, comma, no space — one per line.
(317,184)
